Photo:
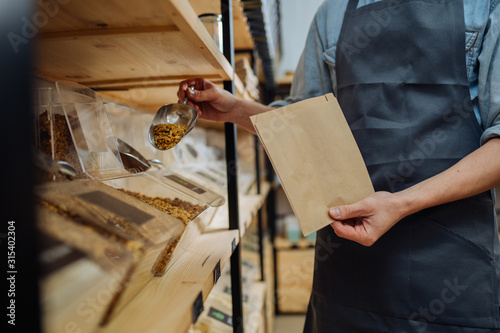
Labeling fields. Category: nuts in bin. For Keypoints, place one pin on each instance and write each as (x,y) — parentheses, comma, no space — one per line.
(167,136)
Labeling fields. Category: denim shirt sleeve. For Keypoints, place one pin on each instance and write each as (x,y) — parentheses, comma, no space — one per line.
(489,76)
(315,73)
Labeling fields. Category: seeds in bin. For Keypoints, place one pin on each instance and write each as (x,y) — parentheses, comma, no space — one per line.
(168,135)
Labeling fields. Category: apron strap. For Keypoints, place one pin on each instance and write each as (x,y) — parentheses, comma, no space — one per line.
(351,8)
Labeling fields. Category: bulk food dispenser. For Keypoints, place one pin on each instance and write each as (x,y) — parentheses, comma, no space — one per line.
(126,226)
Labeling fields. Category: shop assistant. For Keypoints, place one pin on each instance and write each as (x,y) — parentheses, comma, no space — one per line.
(419,84)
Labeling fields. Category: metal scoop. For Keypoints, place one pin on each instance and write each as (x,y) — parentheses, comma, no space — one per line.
(46,167)
(132,160)
(175,113)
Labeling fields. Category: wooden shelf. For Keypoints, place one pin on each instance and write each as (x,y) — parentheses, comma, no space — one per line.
(150,97)
(249,205)
(166,303)
(242,37)
(137,53)
(294,275)
(281,243)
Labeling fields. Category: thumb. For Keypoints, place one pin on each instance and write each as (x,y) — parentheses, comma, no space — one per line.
(346,211)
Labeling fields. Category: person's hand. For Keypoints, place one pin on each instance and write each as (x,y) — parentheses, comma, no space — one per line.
(367,220)
(211,101)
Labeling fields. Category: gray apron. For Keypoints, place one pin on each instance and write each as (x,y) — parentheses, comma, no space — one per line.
(403,87)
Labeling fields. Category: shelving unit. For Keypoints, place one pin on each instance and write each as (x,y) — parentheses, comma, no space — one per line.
(136,53)
(170,303)
(249,205)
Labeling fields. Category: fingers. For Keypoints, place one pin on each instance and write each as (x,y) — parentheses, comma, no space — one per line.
(344,230)
(349,223)
(348,211)
(198,84)
(204,91)
(353,231)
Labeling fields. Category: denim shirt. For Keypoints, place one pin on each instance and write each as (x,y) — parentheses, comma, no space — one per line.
(315,74)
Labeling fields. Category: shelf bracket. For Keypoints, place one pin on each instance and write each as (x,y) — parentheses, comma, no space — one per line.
(197,307)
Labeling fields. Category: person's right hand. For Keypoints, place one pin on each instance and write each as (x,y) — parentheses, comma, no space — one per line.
(211,102)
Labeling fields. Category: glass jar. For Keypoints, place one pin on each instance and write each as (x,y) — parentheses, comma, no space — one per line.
(213,24)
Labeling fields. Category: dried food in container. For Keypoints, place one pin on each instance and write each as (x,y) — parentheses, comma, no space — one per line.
(116,216)
(154,193)
(79,264)
(52,133)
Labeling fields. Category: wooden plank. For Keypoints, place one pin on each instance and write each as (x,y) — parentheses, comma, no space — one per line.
(69,35)
(281,243)
(124,54)
(147,98)
(249,205)
(59,16)
(148,82)
(128,53)
(98,16)
(66,15)
(186,19)
(165,304)
(295,276)
(150,94)
(242,37)
(142,56)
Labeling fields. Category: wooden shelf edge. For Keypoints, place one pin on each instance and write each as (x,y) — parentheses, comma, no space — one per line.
(188,22)
(283,244)
(166,303)
(249,206)
(82,34)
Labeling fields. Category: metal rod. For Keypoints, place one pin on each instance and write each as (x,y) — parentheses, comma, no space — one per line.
(271,220)
(232,167)
(268,94)
(260,227)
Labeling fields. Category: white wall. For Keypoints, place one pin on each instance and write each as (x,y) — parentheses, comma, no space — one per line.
(296,17)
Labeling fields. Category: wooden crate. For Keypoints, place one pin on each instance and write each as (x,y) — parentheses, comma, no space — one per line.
(295,269)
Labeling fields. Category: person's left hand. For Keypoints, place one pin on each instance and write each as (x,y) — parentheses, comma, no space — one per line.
(367,220)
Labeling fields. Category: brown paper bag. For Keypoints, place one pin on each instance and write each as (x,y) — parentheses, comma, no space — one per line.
(316,158)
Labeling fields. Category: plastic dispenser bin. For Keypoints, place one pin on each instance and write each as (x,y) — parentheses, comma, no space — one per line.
(111,202)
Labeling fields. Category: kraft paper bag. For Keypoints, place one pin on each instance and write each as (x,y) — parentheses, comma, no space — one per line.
(315,157)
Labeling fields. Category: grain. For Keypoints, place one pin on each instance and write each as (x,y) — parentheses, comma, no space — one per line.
(55,133)
(167,136)
(180,209)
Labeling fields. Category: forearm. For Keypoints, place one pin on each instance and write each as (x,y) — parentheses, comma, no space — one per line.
(243,110)
(476,173)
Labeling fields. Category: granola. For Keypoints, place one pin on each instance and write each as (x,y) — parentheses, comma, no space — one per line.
(164,258)
(177,208)
(168,135)
(60,138)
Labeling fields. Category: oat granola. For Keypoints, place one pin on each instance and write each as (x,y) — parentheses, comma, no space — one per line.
(167,136)
(164,258)
(60,138)
(177,208)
